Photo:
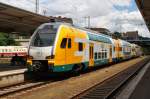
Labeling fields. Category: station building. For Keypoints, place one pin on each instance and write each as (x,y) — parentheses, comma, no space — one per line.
(130,35)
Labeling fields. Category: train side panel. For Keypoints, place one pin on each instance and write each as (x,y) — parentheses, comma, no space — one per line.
(74,49)
(102,49)
(69,54)
(101,53)
(116,48)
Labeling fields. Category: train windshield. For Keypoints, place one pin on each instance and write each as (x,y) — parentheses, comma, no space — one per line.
(45,36)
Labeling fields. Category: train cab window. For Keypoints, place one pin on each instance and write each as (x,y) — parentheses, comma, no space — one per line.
(69,43)
(80,46)
(44,36)
(63,43)
(95,56)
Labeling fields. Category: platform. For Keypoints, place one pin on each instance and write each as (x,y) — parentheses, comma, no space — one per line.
(11,77)
(137,88)
(142,90)
(12,72)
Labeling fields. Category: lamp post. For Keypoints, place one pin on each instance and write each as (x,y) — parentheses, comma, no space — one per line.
(87,18)
(37,6)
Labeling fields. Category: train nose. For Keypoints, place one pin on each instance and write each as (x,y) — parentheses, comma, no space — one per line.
(39,66)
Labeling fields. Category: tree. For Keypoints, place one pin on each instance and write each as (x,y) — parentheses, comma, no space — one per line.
(5,40)
(117,35)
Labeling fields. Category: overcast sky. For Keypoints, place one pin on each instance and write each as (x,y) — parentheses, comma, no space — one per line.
(116,15)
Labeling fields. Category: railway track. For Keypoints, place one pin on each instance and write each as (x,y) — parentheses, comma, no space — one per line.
(26,85)
(6,91)
(104,90)
(110,87)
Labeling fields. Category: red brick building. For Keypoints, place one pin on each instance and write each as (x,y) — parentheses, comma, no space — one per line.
(130,35)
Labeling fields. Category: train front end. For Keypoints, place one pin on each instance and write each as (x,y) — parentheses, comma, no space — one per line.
(40,51)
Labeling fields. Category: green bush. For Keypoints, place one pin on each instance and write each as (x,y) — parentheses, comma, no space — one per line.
(5,40)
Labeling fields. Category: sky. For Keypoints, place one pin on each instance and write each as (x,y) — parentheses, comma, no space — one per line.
(115,15)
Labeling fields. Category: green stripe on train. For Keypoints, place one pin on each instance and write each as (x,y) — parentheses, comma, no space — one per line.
(67,67)
(101,62)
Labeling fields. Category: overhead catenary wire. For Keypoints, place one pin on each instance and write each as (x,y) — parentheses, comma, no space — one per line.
(39,8)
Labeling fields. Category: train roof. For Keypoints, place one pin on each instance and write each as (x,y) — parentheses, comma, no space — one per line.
(99,37)
(125,43)
(93,35)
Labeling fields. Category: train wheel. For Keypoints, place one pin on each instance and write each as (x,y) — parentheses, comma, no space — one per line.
(77,68)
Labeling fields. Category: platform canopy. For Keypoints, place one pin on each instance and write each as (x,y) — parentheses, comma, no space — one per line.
(144,7)
(13,19)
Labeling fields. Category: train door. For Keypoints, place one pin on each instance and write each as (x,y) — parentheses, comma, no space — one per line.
(110,53)
(61,53)
(91,54)
(60,49)
(70,47)
(116,49)
(119,49)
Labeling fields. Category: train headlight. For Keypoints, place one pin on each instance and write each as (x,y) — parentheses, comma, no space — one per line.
(50,57)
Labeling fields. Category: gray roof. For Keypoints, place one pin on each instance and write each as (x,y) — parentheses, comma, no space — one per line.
(14,19)
(144,7)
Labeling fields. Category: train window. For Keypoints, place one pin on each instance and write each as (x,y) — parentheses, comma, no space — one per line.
(80,46)
(99,55)
(64,43)
(69,43)
(95,56)
(123,48)
(105,54)
(102,55)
